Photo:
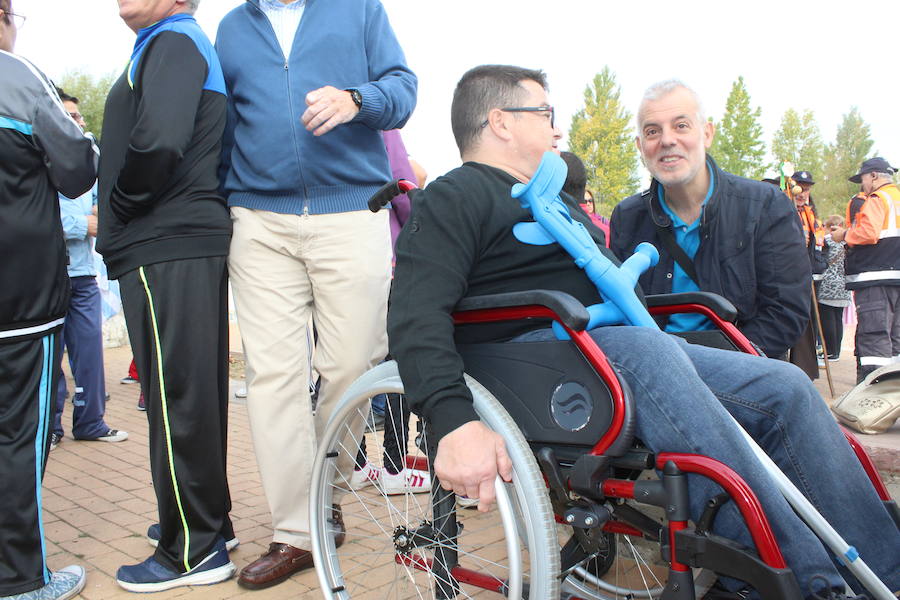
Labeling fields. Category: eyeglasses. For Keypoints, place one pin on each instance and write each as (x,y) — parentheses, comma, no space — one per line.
(533,109)
(76,115)
(18,20)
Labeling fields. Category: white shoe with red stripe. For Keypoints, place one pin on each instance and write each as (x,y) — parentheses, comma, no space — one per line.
(407,481)
(363,478)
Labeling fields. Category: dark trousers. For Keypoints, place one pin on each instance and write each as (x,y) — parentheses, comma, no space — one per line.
(877,328)
(832,327)
(83,336)
(177,317)
(28,372)
(396,435)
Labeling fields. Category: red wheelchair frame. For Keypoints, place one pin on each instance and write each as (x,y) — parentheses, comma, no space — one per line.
(744,498)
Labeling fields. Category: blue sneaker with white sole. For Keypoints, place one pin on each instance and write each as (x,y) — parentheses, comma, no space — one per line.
(153,535)
(150,576)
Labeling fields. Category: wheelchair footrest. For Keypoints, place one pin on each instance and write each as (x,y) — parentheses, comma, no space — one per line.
(726,557)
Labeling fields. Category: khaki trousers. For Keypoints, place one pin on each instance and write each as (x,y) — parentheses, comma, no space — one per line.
(336,269)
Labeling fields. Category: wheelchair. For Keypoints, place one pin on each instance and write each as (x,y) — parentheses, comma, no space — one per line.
(589,514)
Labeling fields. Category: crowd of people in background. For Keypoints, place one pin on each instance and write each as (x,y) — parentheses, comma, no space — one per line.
(247,165)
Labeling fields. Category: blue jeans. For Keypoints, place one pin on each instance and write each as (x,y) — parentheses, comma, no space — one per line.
(682,392)
(83,336)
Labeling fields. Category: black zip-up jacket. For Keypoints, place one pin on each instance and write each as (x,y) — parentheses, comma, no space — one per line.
(158,186)
(42,150)
(751,252)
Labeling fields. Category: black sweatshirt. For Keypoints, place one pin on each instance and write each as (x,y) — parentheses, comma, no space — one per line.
(457,243)
(161,144)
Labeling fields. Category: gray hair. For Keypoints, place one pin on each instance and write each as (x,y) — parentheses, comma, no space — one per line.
(883,175)
(192,5)
(664,88)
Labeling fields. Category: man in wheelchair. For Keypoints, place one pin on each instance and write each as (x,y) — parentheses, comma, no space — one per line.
(458,243)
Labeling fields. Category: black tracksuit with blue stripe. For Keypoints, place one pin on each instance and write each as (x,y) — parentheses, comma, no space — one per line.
(42,150)
(164,232)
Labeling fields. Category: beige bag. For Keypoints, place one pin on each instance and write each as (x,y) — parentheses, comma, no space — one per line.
(873,405)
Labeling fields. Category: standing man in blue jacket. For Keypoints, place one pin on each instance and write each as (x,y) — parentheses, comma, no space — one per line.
(83,331)
(715,232)
(311,84)
(42,151)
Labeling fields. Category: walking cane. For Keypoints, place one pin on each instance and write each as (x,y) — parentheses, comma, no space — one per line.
(822,338)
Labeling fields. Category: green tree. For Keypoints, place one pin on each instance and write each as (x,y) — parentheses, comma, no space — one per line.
(799,141)
(91,93)
(737,146)
(852,145)
(602,138)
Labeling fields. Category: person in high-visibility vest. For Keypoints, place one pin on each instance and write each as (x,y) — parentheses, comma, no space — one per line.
(873,266)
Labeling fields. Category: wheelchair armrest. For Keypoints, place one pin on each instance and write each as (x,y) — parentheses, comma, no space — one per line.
(570,311)
(719,305)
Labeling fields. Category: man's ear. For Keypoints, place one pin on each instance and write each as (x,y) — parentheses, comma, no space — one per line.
(709,132)
(498,124)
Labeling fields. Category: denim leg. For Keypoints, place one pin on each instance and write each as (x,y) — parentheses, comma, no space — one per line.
(677,412)
(84,340)
(783,412)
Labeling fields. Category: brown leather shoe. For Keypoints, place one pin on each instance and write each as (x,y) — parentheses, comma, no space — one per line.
(280,562)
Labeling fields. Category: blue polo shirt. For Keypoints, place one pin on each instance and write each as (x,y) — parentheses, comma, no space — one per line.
(688,237)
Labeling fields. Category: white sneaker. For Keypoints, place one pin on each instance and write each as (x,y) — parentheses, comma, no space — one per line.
(411,481)
(368,475)
(463,502)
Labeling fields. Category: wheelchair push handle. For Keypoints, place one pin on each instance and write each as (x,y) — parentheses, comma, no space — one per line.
(388,192)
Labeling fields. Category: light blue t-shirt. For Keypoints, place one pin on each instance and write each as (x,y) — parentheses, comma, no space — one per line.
(688,237)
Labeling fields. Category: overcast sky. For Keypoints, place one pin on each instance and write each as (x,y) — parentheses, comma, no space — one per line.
(822,56)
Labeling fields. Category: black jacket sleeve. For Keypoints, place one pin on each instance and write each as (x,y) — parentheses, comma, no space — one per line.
(435,252)
(70,155)
(784,279)
(169,83)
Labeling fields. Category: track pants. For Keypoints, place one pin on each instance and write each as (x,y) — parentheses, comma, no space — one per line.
(28,373)
(177,317)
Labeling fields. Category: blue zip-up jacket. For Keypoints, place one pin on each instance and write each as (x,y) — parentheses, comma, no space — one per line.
(73,212)
(269,161)
(751,252)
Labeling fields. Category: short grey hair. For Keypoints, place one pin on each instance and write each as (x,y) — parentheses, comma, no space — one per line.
(883,175)
(664,88)
(192,5)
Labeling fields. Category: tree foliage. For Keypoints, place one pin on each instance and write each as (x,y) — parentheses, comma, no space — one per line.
(852,145)
(91,92)
(737,146)
(799,141)
(602,138)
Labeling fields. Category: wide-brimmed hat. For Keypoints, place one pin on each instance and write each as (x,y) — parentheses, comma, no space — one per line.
(873,165)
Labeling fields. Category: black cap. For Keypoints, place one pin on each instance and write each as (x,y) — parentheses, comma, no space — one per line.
(873,165)
(803,177)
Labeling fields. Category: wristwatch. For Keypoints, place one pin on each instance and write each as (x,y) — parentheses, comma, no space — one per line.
(357,97)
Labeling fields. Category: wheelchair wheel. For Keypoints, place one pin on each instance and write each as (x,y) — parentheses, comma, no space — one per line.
(408,545)
(623,566)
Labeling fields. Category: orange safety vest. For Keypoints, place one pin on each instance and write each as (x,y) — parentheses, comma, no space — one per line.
(878,264)
(811,224)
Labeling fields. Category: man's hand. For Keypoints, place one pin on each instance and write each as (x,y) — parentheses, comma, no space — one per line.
(837,233)
(468,460)
(91,225)
(328,107)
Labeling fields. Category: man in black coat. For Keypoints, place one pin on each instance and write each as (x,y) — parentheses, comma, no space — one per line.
(715,231)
